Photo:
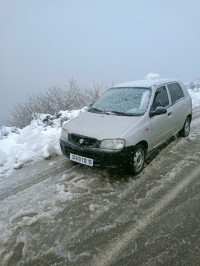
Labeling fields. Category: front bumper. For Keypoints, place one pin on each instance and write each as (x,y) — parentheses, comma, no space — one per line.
(101,158)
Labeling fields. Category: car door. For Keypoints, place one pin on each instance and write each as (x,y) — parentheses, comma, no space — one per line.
(160,124)
(179,106)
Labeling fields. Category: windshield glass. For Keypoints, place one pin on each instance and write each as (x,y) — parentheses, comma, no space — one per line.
(123,101)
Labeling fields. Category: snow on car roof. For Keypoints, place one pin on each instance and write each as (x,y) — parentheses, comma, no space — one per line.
(145,83)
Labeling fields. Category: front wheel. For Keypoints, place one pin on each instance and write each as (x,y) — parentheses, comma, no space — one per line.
(138,159)
(186,128)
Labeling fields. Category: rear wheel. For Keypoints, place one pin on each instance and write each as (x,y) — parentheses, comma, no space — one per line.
(138,159)
(186,128)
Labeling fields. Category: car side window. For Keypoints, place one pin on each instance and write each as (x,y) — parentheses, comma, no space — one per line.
(161,98)
(175,91)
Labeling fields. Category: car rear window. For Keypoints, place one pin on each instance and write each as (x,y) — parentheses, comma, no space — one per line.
(175,91)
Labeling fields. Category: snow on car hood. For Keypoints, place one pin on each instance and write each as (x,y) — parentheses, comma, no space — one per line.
(100,126)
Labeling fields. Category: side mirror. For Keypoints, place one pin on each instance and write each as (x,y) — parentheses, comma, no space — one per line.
(159,111)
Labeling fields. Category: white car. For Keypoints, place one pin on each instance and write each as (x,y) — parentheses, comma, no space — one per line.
(129,120)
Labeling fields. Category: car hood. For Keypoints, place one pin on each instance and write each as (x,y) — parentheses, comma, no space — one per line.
(100,126)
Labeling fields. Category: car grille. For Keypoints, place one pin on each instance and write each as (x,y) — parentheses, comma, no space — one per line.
(83,141)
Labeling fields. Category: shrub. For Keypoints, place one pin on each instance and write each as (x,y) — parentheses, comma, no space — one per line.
(53,100)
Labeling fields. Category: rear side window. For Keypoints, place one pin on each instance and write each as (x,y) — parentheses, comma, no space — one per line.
(161,98)
(175,91)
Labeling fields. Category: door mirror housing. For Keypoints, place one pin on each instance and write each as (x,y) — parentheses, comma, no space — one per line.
(159,111)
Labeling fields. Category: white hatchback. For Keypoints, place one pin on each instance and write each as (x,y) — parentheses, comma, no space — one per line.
(129,120)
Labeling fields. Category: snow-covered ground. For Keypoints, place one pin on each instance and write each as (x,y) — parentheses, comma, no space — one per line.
(40,139)
(195,95)
(56,212)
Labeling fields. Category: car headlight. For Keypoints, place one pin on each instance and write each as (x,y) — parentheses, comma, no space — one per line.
(112,144)
(64,134)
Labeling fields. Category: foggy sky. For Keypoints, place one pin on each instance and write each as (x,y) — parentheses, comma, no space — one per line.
(47,42)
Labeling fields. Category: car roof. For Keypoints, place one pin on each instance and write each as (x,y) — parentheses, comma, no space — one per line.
(145,83)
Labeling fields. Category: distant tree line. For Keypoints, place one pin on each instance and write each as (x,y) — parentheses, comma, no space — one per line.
(53,100)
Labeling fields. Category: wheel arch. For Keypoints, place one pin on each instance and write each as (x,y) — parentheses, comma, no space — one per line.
(190,117)
(144,143)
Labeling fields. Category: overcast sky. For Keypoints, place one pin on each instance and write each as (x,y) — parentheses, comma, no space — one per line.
(46,42)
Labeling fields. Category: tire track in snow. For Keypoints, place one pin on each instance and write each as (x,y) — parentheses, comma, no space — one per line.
(132,233)
(33,179)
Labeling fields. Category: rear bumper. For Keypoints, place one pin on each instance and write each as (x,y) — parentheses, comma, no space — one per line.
(101,158)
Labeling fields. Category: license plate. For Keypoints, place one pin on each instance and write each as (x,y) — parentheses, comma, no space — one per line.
(81,159)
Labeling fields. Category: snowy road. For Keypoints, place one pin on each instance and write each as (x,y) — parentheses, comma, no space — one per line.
(56,212)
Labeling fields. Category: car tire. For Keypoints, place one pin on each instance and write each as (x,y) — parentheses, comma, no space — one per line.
(186,128)
(137,159)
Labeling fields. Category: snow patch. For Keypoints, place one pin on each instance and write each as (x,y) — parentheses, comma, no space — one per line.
(63,195)
(39,140)
(152,76)
(195,95)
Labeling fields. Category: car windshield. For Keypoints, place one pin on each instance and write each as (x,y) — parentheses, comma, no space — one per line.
(123,101)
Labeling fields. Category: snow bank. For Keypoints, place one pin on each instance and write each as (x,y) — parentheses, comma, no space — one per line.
(39,140)
(195,95)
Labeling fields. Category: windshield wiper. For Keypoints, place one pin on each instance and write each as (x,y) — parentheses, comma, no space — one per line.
(95,110)
(121,113)
(92,109)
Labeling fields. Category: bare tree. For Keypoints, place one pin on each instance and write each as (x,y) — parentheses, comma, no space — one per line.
(93,94)
(53,100)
